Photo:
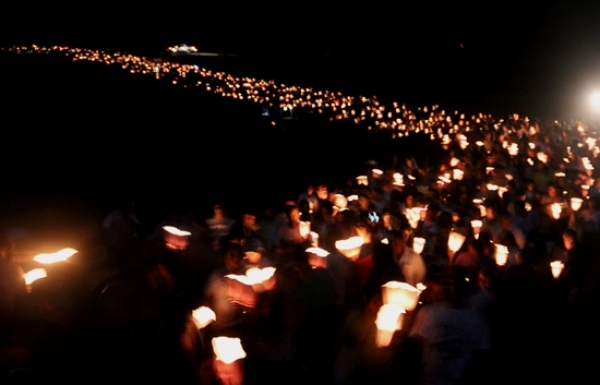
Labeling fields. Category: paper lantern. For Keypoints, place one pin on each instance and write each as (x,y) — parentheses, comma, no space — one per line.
(228,350)
(203,316)
(304,228)
(455,241)
(314,238)
(389,319)
(362,180)
(557,268)
(175,238)
(418,245)
(400,293)
(501,255)
(576,203)
(556,210)
(476,225)
(350,247)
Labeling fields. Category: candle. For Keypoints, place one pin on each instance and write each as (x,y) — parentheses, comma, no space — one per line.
(455,241)
(389,319)
(501,255)
(418,245)
(401,294)
(557,268)
(203,316)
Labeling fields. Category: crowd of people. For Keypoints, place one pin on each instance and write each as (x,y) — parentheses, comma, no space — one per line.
(499,240)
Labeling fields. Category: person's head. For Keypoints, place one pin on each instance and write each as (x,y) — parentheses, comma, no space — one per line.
(292,213)
(233,258)
(253,250)
(569,237)
(248,219)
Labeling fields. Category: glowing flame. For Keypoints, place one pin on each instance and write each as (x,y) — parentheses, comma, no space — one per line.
(304,228)
(457,174)
(203,316)
(418,245)
(59,256)
(455,241)
(362,180)
(401,294)
(576,203)
(501,255)
(556,210)
(557,268)
(350,247)
(228,350)
(33,275)
(177,232)
(254,276)
(389,319)
(317,251)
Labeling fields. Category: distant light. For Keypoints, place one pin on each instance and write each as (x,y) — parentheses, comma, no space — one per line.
(596,100)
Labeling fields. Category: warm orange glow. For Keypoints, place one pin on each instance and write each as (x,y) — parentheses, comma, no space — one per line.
(177,232)
(317,251)
(418,244)
(455,241)
(203,316)
(304,228)
(557,268)
(576,203)
(350,247)
(59,256)
(401,294)
(254,276)
(501,255)
(389,319)
(33,275)
(556,210)
(228,349)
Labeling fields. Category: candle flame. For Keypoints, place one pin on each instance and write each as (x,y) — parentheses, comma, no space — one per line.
(59,256)
(33,275)
(203,316)
(228,350)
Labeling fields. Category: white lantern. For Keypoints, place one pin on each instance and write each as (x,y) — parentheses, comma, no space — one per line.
(457,174)
(304,228)
(501,255)
(362,180)
(203,316)
(350,247)
(455,241)
(557,268)
(400,293)
(418,245)
(175,238)
(340,201)
(556,210)
(228,350)
(476,225)
(389,319)
(576,203)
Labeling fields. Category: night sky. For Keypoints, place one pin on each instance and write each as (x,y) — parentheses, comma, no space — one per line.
(537,57)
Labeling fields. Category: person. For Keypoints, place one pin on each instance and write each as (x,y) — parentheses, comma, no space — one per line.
(410,263)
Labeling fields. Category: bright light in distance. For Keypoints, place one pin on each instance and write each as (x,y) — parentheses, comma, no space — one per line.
(595,99)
